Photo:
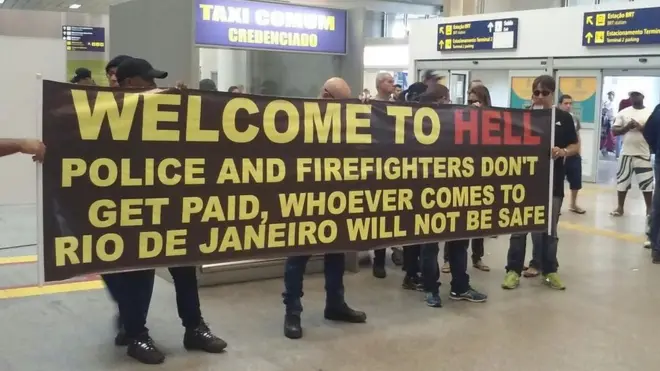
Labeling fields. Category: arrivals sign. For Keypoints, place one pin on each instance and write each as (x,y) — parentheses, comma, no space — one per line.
(621,27)
(496,34)
(164,177)
(270,26)
(84,38)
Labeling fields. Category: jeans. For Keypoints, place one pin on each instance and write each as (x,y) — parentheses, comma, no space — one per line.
(411,256)
(457,258)
(294,271)
(655,211)
(547,243)
(477,251)
(187,296)
(537,241)
(133,292)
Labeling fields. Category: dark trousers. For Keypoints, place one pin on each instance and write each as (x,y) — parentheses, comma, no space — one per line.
(654,236)
(477,251)
(547,245)
(112,283)
(187,296)
(457,259)
(411,256)
(294,271)
(132,291)
(135,291)
(379,257)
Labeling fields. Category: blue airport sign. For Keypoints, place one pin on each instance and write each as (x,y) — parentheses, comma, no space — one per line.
(621,27)
(494,34)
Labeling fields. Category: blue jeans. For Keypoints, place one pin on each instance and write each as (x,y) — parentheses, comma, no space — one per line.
(294,272)
(456,257)
(655,211)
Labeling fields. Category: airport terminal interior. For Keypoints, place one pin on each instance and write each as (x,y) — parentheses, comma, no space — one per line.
(606,318)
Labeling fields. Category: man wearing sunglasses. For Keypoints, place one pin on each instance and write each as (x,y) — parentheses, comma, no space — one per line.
(565,145)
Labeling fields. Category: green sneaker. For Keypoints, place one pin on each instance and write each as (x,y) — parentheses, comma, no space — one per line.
(511,280)
(554,281)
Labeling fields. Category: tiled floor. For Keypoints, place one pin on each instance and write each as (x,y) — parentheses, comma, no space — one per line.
(607,319)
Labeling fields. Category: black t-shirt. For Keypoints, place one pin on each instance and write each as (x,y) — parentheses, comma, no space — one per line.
(565,135)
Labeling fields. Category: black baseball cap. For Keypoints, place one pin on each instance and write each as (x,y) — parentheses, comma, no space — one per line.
(136,67)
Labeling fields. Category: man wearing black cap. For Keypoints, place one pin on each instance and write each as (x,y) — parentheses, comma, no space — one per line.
(111,69)
(135,296)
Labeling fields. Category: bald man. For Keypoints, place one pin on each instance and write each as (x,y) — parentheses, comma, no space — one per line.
(336,308)
(384,86)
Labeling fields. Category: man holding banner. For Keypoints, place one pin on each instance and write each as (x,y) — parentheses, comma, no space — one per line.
(565,145)
(134,297)
(336,308)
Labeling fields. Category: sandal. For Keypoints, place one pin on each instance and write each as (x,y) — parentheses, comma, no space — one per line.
(577,210)
(616,213)
(481,266)
(531,272)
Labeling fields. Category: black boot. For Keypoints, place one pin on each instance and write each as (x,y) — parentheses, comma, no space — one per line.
(292,327)
(379,271)
(344,313)
(121,340)
(142,349)
(201,338)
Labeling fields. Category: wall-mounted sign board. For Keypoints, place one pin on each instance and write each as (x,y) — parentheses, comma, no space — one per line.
(493,34)
(270,26)
(84,39)
(621,27)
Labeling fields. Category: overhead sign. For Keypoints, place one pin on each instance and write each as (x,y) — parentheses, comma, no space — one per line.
(83,38)
(621,27)
(493,34)
(270,26)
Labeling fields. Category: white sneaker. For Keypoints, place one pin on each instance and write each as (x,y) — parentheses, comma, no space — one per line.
(647,244)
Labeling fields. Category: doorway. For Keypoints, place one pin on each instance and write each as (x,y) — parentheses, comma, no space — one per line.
(617,84)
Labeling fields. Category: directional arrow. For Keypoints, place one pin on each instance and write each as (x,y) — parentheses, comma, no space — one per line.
(441,43)
(590,20)
(589,36)
(441,30)
(490,27)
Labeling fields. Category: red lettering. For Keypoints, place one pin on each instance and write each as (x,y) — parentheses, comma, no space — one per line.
(509,138)
(461,126)
(529,139)
(490,127)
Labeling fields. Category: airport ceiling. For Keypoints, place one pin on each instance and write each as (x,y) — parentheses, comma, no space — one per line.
(101,6)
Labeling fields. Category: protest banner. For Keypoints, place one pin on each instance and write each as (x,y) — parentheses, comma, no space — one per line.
(139,179)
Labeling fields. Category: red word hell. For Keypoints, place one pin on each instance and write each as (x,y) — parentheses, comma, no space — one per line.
(492,127)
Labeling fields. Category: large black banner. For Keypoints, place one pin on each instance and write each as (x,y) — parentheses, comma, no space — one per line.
(138,179)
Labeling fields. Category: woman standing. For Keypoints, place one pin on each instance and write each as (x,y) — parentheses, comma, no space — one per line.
(478,96)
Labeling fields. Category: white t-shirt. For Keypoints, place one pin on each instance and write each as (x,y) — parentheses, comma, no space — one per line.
(634,143)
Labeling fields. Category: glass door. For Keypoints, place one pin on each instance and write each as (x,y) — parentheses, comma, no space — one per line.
(584,86)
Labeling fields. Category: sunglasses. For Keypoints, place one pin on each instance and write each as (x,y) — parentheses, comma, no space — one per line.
(544,93)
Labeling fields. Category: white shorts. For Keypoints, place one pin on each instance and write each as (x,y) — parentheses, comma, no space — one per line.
(640,167)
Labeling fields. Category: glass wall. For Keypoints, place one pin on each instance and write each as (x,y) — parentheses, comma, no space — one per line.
(397,24)
(592,2)
(290,74)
